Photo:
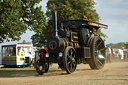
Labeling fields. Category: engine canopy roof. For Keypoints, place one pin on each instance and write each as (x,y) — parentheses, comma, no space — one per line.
(78,23)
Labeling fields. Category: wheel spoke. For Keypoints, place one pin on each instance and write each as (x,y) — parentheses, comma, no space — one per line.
(99,44)
(100,63)
(71,52)
(70,66)
(69,62)
(68,55)
(73,55)
(73,64)
(102,49)
(98,60)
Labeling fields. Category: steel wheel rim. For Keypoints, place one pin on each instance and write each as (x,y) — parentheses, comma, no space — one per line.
(71,61)
(100,53)
(41,65)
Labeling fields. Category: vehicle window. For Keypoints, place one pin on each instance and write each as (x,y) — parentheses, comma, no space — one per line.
(9,51)
(22,51)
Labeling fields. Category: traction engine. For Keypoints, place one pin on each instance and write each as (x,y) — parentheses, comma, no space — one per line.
(73,42)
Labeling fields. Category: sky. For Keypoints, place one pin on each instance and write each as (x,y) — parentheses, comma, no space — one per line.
(113,13)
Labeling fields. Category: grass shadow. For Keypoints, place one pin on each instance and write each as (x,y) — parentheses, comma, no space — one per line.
(17,72)
(30,71)
(27,72)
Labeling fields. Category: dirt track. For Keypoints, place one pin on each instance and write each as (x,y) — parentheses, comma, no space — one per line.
(112,74)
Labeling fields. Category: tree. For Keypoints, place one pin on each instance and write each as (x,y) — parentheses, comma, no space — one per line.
(24,41)
(72,9)
(38,40)
(16,16)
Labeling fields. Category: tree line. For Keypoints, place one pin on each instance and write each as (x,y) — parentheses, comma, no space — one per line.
(120,45)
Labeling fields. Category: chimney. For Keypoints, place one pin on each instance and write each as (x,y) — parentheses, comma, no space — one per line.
(54,20)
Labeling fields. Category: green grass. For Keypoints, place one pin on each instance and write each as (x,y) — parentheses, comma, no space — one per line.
(17,72)
(11,69)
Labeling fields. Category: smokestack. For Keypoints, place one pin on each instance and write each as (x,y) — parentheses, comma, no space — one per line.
(54,20)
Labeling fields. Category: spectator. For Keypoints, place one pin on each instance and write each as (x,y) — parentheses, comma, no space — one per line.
(108,54)
(127,53)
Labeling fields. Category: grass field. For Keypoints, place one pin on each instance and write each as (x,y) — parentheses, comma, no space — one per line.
(22,72)
(17,72)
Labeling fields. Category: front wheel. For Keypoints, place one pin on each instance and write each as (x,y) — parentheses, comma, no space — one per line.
(40,64)
(70,60)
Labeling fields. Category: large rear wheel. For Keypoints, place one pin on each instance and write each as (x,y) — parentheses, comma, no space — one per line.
(98,56)
(70,60)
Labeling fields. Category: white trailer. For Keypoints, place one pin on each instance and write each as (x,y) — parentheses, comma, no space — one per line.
(17,54)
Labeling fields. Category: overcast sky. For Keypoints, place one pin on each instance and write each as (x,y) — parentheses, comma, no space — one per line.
(113,13)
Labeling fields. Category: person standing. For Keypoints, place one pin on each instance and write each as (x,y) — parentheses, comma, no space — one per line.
(108,54)
(127,53)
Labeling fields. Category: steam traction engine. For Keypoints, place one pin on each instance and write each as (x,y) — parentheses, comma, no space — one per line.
(73,42)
